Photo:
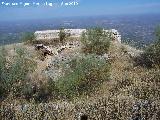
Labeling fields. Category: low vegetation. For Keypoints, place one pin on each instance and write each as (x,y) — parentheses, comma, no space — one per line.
(14,71)
(28,37)
(84,75)
(97,88)
(153,52)
(151,55)
(96,41)
(63,35)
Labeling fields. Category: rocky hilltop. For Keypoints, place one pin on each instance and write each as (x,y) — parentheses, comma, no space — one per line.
(129,92)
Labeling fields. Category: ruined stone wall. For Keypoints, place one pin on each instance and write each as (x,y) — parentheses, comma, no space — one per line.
(51,34)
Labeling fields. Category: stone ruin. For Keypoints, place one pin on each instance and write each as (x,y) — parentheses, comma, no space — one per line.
(115,35)
(64,53)
(52,34)
(45,49)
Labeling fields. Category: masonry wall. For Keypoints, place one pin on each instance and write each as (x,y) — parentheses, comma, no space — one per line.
(51,34)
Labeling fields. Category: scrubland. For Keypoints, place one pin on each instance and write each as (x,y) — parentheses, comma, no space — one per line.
(123,86)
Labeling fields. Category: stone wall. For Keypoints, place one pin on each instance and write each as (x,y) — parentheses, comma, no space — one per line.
(51,34)
(116,35)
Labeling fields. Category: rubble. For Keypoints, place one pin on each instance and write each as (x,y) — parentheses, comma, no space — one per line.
(45,49)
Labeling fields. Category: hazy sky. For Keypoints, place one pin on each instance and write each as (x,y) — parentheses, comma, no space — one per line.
(84,8)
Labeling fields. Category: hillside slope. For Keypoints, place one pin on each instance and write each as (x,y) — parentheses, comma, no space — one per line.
(132,93)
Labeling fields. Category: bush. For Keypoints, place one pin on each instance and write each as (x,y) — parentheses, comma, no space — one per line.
(63,35)
(96,41)
(15,71)
(84,74)
(152,53)
(3,73)
(21,65)
(28,37)
(42,93)
(27,91)
(157,33)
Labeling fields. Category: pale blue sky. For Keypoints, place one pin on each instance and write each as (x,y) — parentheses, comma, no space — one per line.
(85,8)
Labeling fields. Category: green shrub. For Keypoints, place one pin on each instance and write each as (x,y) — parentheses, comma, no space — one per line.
(3,73)
(40,93)
(157,33)
(28,37)
(152,53)
(85,74)
(43,93)
(21,65)
(96,41)
(51,86)
(15,71)
(63,35)
(27,90)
